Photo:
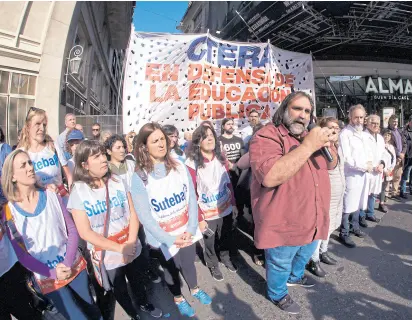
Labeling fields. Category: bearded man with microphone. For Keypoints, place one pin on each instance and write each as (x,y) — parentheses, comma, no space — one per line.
(290,194)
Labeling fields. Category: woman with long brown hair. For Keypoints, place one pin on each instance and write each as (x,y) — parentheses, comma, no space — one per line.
(105,218)
(165,201)
(42,151)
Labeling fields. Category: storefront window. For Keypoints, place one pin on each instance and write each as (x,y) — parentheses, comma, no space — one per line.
(341,93)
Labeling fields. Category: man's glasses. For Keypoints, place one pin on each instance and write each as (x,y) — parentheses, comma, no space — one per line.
(33,109)
(93,129)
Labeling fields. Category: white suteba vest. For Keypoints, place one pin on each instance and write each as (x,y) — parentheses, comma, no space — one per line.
(214,196)
(47,167)
(94,203)
(44,234)
(169,200)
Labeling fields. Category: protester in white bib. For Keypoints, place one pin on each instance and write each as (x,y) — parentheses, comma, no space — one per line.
(45,239)
(15,298)
(209,171)
(42,151)
(73,139)
(118,164)
(173,135)
(165,200)
(111,234)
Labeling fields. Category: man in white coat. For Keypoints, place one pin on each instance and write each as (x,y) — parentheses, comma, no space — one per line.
(358,162)
(377,149)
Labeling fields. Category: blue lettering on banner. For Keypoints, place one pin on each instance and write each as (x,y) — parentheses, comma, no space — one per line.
(168,202)
(214,197)
(44,163)
(228,55)
(100,206)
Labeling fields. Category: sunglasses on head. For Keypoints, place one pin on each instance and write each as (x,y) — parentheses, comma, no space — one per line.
(32,109)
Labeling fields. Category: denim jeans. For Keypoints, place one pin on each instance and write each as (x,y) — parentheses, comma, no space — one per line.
(285,264)
(349,221)
(406,174)
(371,202)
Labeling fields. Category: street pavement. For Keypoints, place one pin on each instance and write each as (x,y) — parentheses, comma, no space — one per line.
(371,281)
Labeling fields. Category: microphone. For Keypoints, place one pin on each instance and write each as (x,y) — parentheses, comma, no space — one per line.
(324,150)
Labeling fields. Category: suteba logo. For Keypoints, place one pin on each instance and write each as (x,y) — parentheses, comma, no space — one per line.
(214,197)
(44,163)
(100,206)
(169,202)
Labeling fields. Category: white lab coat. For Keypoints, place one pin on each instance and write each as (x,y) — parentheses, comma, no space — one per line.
(377,149)
(354,146)
(389,158)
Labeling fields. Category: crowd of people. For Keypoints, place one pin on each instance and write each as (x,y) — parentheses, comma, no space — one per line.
(81,218)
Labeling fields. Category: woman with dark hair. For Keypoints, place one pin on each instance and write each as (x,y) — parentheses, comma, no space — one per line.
(116,148)
(173,135)
(209,172)
(106,219)
(338,186)
(45,239)
(165,200)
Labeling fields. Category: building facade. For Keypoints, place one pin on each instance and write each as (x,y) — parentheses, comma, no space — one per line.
(61,56)
(361,51)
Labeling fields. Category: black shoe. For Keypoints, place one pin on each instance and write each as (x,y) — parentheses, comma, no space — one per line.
(151,310)
(288,305)
(403,195)
(315,269)
(325,257)
(230,266)
(358,233)
(152,276)
(216,273)
(383,208)
(362,222)
(346,240)
(304,282)
(373,219)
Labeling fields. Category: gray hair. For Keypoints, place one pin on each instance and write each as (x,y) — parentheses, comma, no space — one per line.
(373,116)
(277,119)
(354,108)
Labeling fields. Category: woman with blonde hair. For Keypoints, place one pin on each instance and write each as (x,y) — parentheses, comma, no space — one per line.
(45,239)
(129,141)
(42,151)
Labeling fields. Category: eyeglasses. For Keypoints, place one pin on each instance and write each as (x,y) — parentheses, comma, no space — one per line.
(374,123)
(33,109)
(93,129)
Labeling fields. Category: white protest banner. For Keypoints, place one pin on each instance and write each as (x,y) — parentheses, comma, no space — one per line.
(184,79)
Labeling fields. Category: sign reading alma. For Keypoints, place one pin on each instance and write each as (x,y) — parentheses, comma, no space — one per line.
(400,86)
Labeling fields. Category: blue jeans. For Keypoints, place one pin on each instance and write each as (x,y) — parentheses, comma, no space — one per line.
(74,301)
(371,202)
(285,264)
(406,174)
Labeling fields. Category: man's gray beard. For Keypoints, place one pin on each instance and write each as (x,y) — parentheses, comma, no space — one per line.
(294,127)
(358,127)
